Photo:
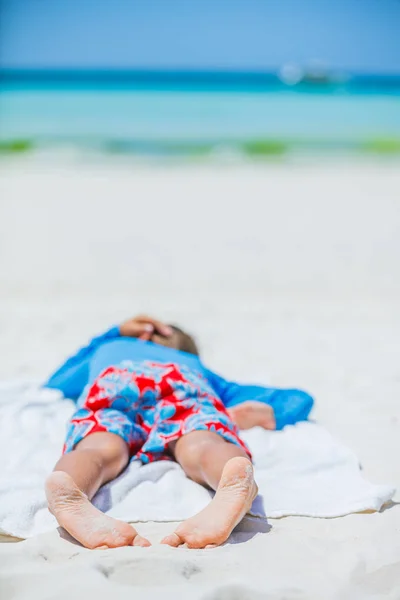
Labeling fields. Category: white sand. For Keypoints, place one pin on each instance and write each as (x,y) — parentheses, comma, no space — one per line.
(299,264)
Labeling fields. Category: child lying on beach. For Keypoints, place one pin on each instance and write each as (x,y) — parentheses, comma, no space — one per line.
(144,394)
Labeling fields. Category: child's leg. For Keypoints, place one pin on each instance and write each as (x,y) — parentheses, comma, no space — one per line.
(77,476)
(208,459)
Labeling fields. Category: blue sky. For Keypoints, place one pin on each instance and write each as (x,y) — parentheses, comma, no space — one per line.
(358,35)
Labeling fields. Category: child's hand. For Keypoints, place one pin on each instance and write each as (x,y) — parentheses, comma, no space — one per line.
(143,327)
(253,414)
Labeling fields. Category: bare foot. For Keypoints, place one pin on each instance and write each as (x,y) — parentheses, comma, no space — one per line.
(214,524)
(88,525)
(252,414)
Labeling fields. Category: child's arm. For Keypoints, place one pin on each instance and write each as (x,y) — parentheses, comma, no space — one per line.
(252,413)
(289,405)
(73,375)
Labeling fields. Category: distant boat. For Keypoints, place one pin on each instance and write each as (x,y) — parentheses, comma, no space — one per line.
(316,74)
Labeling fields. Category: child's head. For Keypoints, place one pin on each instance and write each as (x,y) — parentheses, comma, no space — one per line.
(180,340)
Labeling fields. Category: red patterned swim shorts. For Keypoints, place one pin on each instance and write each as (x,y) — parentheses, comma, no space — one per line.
(150,405)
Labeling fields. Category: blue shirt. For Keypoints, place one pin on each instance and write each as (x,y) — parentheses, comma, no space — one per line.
(110,348)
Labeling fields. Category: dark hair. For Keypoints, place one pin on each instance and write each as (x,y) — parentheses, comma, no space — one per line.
(186,342)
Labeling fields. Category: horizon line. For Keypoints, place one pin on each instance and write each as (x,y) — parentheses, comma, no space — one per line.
(173,71)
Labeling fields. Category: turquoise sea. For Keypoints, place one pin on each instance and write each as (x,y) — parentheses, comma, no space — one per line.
(196,113)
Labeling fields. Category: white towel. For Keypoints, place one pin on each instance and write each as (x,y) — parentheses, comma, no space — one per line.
(301,470)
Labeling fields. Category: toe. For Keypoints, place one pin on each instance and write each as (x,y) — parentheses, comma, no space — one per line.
(172,540)
(141,541)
